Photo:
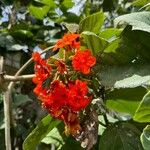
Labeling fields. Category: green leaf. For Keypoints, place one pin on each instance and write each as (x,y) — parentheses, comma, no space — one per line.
(56,136)
(40,12)
(72,144)
(6,41)
(138,21)
(66,4)
(119,51)
(70,17)
(41,130)
(142,113)
(53,137)
(110,33)
(145,138)
(134,94)
(146,7)
(16,47)
(94,42)
(121,136)
(112,46)
(126,59)
(20,99)
(60,140)
(92,23)
(123,106)
(125,100)
(116,76)
(140,2)
(132,47)
(22,34)
(133,81)
(37,3)
(71,27)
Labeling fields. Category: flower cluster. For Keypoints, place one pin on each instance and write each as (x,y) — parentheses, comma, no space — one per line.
(83,61)
(58,81)
(69,42)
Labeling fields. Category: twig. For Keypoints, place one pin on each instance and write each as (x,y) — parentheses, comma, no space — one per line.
(7,102)
(6,107)
(12,16)
(7,119)
(18,78)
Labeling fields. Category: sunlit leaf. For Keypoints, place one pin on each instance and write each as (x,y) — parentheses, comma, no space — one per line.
(133,81)
(54,137)
(94,42)
(145,138)
(92,23)
(40,132)
(140,2)
(142,113)
(138,21)
(116,76)
(110,33)
(22,34)
(66,4)
(40,12)
(125,100)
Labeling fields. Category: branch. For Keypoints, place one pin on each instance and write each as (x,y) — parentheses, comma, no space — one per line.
(18,78)
(6,107)
(8,101)
(7,119)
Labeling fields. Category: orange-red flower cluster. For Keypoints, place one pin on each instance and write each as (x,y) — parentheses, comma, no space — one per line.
(83,61)
(42,69)
(64,97)
(69,41)
(61,97)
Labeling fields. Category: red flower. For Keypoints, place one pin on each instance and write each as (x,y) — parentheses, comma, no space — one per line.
(36,56)
(83,61)
(41,74)
(60,98)
(69,41)
(57,99)
(61,67)
(64,99)
(40,91)
(42,69)
(78,99)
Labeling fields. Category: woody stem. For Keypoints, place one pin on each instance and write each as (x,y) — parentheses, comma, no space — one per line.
(7,101)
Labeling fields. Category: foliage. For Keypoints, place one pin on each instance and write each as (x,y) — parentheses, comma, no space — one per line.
(118,34)
(34,138)
(145,138)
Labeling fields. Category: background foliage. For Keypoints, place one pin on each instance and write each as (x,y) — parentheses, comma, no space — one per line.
(117,32)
